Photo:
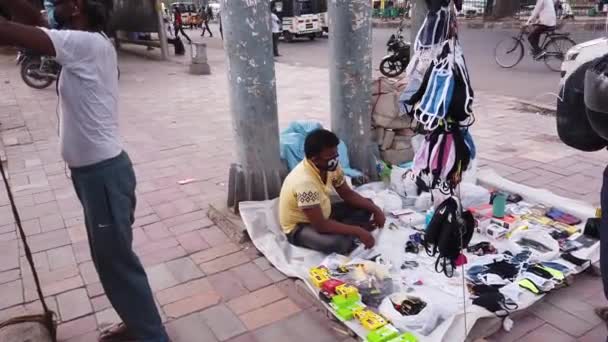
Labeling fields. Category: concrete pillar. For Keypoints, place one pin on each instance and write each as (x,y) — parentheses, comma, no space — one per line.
(162,33)
(199,64)
(258,173)
(350,38)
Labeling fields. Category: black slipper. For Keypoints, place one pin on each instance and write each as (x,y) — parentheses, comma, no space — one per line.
(602,313)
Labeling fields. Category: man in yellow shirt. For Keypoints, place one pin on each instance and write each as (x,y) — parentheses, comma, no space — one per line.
(306,213)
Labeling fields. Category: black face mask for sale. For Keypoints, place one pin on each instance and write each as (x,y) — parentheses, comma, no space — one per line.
(496,303)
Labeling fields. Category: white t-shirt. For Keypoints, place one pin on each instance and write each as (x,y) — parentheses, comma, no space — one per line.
(276,23)
(544,13)
(88,95)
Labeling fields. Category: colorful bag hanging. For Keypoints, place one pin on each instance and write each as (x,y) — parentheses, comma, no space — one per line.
(444,156)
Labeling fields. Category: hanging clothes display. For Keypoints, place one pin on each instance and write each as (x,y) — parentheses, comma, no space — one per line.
(439,98)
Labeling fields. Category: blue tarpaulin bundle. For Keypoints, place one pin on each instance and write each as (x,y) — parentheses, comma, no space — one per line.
(292,146)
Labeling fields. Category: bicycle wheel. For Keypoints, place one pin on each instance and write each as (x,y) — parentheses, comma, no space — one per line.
(555,52)
(509,52)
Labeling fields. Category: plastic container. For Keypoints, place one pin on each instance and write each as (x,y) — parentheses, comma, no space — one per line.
(429,217)
(499,204)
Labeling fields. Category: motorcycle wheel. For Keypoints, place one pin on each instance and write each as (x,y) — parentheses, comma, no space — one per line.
(30,66)
(392,68)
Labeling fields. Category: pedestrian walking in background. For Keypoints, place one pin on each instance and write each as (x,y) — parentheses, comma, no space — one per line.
(172,39)
(101,172)
(178,23)
(276,32)
(210,13)
(206,18)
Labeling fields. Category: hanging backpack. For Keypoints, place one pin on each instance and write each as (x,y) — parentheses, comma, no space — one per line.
(596,96)
(448,233)
(573,126)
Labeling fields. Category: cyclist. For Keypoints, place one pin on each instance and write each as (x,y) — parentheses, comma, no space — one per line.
(543,19)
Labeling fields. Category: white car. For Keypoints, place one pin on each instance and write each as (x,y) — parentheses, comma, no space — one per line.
(472,9)
(581,54)
(215,7)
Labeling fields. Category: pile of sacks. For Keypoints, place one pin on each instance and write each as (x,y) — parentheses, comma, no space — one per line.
(391,131)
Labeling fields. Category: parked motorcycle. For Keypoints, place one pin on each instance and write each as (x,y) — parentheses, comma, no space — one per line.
(398,57)
(38,72)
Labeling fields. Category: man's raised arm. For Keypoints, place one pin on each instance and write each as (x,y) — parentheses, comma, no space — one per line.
(24,12)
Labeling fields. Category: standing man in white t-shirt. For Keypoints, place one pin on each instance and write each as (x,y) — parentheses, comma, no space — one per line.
(101,170)
(276,32)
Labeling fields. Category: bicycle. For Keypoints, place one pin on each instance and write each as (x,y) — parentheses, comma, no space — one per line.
(554,45)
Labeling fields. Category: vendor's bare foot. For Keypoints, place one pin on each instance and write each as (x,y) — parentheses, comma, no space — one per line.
(117,333)
(602,313)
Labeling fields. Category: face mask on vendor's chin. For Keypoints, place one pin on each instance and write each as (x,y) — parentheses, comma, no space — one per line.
(332,164)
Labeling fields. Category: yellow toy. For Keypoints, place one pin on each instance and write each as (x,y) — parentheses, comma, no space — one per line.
(345,294)
(565,227)
(369,319)
(545,221)
(319,275)
(346,290)
(359,312)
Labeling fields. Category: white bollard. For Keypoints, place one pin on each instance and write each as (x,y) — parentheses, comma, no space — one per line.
(199,65)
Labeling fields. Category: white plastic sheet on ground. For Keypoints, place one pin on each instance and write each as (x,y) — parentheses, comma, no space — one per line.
(261,221)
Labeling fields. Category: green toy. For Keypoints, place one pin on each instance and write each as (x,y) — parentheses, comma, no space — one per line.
(346,300)
(407,337)
(384,334)
(345,312)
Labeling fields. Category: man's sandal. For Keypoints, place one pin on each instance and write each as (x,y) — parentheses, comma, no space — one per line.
(117,333)
(602,313)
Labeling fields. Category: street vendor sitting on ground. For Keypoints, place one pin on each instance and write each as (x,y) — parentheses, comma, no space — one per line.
(308,217)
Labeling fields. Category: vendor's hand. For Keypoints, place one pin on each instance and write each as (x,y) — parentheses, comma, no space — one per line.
(379,218)
(369,226)
(367,239)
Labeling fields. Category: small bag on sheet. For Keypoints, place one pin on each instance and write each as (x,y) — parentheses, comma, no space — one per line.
(424,323)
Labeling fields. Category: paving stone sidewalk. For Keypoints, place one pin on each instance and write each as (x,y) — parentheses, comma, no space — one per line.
(176,127)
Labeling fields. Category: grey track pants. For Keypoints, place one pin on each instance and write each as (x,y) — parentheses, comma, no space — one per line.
(107,193)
